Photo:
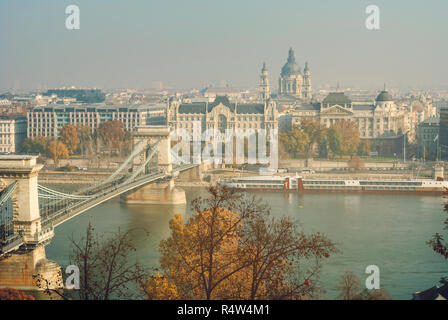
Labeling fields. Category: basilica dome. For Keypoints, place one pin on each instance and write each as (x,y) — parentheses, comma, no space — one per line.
(290,67)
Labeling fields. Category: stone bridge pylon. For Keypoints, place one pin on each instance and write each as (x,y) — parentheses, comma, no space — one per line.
(17,270)
(162,192)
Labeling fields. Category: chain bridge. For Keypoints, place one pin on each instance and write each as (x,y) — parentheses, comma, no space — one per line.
(30,211)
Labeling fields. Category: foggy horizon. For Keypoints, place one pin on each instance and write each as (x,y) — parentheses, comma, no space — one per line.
(188,45)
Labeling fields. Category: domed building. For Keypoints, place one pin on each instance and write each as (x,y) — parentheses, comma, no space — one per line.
(381,118)
(292,82)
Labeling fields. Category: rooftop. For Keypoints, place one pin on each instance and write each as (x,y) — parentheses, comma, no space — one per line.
(384,96)
(336,98)
(99,107)
(201,107)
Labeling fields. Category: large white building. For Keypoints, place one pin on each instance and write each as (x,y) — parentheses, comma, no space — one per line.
(378,119)
(12,133)
(222,114)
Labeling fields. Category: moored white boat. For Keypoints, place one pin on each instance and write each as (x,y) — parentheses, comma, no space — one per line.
(298,183)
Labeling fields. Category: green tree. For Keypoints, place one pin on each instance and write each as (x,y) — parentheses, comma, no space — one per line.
(294,142)
(37,145)
(364,148)
(315,131)
(344,137)
(335,141)
(84,135)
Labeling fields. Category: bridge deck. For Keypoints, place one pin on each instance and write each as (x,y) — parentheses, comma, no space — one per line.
(60,216)
(56,218)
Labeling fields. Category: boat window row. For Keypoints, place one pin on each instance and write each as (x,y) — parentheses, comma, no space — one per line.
(334,182)
(391,183)
(355,188)
(279,182)
(264,186)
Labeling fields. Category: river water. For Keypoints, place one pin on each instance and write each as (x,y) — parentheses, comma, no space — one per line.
(386,230)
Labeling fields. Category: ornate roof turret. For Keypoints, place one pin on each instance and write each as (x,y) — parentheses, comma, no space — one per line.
(306,69)
(264,69)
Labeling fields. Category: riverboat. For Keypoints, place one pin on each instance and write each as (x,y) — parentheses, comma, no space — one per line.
(299,184)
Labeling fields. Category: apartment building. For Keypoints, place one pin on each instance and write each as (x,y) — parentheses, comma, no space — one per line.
(46,121)
(12,133)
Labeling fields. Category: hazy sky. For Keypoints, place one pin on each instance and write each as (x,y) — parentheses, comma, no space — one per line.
(188,43)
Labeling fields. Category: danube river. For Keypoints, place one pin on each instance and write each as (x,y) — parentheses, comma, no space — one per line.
(386,230)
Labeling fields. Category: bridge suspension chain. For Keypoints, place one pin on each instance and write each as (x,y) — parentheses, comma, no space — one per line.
(140,169)
(137,150)
(51,200)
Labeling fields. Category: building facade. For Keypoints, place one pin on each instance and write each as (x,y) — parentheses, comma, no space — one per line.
(443,134)
(221,114)
(46,121)
(292,81)
(12,133)
(427,137)
(381,118)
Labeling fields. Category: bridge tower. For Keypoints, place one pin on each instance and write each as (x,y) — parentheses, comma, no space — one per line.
(148,137)
(17,270)
(163,192)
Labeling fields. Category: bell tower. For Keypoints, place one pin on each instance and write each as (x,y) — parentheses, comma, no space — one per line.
(307,82)
(264,83)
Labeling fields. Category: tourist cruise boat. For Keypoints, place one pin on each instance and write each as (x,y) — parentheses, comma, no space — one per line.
(297,183)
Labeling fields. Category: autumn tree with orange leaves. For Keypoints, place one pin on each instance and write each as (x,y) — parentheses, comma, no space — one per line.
(57,150)
(13,294)
(112,133)
(69,136)
(232,248)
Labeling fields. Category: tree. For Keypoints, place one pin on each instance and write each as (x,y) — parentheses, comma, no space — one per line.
(28,145)
(231,248)
(112,133)
(69,136)
(356,163)
(349,288)
(364,148)
(57,150)
(105,268)
(294,142)
(335,141)
(345,137)
(439,244)
(37,145)
(84,135)
(13,294)
(315,131)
